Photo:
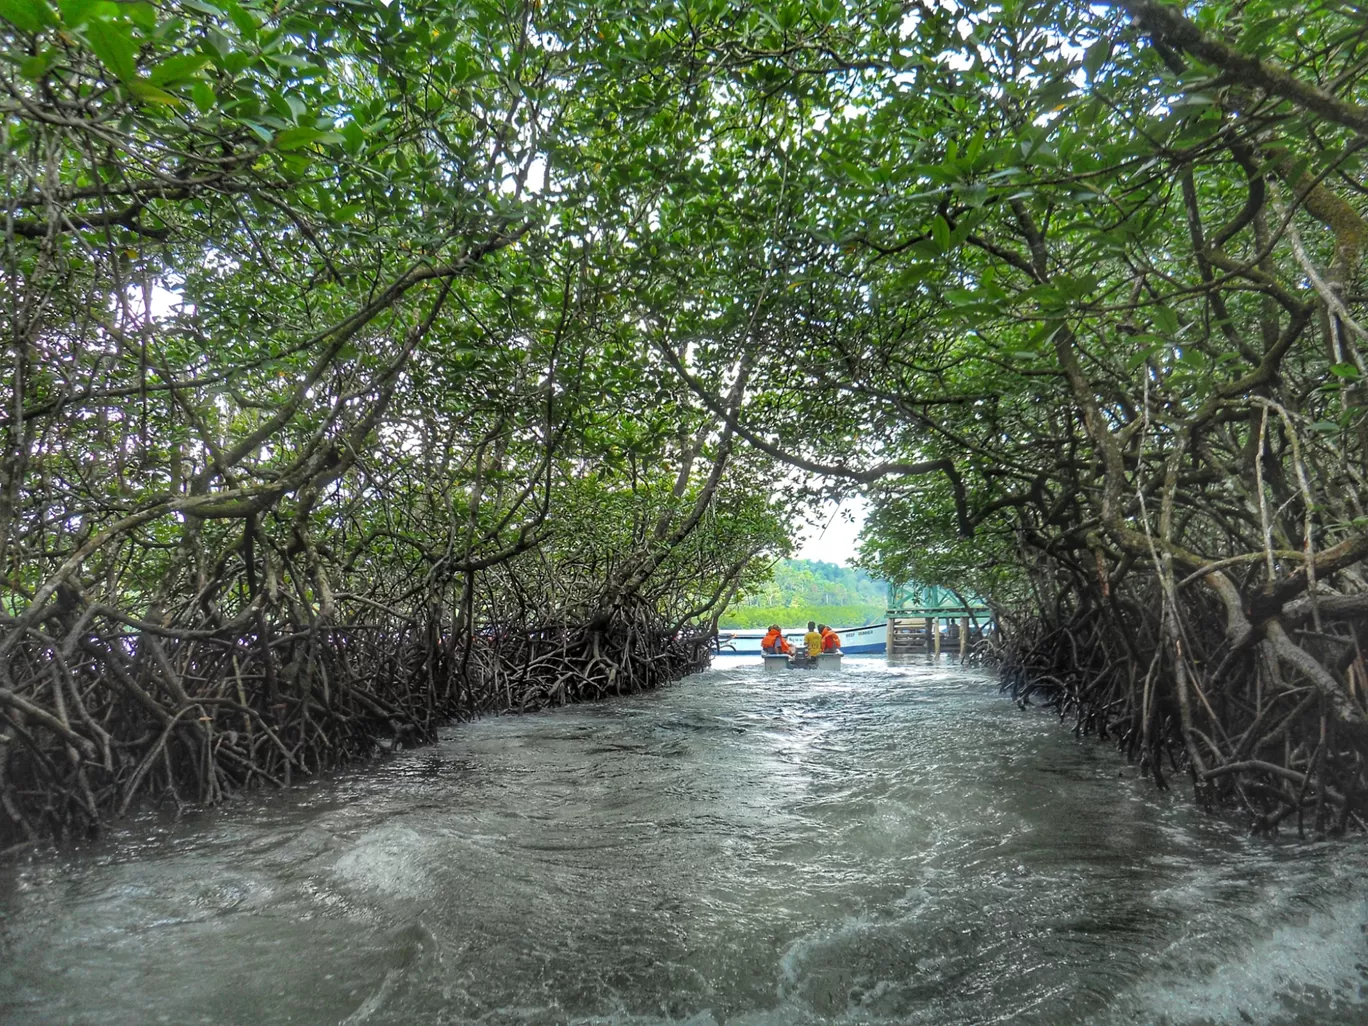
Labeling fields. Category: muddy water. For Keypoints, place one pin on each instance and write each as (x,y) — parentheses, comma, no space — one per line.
(886,845)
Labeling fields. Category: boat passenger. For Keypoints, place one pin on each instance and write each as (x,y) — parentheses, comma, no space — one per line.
(773,642)
(812,641)
(831,641)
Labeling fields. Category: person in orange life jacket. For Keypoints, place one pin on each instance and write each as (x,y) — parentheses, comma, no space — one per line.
(812,641)
(830,641)
(773,643)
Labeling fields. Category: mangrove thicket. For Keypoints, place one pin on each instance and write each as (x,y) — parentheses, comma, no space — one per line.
(370,365)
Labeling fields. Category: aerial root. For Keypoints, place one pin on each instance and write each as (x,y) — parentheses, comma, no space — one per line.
(1259,739)
(190,721)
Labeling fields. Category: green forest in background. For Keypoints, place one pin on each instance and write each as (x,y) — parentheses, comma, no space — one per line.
(799,590)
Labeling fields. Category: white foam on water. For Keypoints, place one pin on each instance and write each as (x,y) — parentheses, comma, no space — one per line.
(375,1001)
(840,971)
(702,1018)
(1315,971)
(384,859)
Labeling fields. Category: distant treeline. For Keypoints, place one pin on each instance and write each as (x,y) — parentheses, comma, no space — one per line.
(799,590)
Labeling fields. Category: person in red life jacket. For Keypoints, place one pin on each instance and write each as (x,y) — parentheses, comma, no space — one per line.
(830,641)
(773,643)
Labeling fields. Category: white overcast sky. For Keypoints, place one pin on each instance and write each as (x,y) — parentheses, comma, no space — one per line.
(832,539)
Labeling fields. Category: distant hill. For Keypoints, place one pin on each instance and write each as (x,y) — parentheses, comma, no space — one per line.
(803,589)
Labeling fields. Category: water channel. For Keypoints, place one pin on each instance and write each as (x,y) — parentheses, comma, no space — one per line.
(892,845)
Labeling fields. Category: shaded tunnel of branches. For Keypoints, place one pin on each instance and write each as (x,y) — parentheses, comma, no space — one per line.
(1157,437)
(1091,337)
(322,424)
(186,657)
(315,440)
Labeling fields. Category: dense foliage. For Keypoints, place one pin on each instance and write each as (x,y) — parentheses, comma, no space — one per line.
(324,417)
(1078,292)
(475,348)
(798,590)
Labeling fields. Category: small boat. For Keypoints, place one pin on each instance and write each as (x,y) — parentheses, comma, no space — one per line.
(868,640)
(780,663)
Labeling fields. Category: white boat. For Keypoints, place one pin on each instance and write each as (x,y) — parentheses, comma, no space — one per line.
(825,661)
(868,640)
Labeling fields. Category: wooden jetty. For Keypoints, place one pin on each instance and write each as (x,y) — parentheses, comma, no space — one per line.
(928,620)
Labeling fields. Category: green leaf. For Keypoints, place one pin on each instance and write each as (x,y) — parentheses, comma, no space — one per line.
(1166,320)
(243,20)
(149,93)
(203,95)
(36,67)
(27,15)
(113,45)
(176,68)
(1096,56)
(1043,334)
(294,107)
(261,131)
(1192,358)
(218,44)
(354,136)
(1345,370)
(1258,30)
(975,194)
(1075,287)
(142,14)
(1141,355)
(856,173)
(940,231)
(294,138)
(76,12)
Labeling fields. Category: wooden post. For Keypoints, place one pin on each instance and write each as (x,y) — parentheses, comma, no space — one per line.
(964,637)
(888,630)
(935,630)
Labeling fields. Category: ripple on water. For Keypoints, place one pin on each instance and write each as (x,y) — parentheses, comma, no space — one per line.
(892,845)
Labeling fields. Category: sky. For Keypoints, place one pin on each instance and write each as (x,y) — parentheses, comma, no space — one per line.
(832,539)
